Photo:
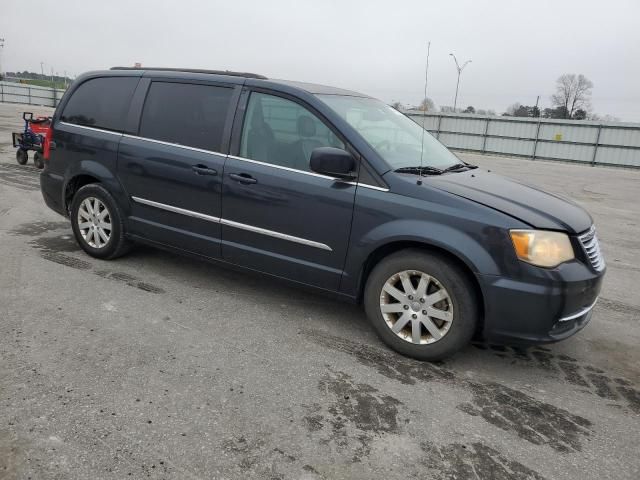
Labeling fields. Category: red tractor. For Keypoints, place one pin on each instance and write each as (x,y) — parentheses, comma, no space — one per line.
(36,136)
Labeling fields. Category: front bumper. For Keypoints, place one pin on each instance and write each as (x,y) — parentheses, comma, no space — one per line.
(550,306)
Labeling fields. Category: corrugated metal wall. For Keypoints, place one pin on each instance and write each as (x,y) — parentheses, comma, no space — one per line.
(11,92)
(611,143)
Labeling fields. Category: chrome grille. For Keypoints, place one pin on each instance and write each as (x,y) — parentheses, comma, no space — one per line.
(591,247)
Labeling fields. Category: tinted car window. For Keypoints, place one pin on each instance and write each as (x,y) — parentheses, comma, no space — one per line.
(282,132)
(186,114)
(101,103)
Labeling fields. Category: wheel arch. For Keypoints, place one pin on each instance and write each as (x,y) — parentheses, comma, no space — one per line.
(383,251)
(90,171)
(74,184)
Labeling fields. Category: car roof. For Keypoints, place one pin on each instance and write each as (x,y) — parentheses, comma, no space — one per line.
(317,89)
(254,79)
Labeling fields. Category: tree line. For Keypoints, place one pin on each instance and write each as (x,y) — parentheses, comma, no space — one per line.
(571,100)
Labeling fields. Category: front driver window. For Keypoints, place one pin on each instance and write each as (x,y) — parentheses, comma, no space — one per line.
(281,132)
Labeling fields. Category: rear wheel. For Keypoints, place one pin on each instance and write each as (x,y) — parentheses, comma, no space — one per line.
(22,157)
(97,222)
(421,305)
(38,160)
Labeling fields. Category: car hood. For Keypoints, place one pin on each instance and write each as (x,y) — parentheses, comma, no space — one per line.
(525,202)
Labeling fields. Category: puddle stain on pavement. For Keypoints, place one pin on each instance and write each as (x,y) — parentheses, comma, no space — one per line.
(351,415)
(590,379)
(504,407)
(532,420)
(384,362)
(458,461)
(56,249)
(22,177)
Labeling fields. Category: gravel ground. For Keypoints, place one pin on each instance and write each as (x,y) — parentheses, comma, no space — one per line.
(159,366)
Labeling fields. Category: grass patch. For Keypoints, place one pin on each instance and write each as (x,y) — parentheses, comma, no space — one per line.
(44,83)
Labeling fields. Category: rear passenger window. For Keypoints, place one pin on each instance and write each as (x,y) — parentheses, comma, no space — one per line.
(101,103)
(186,114)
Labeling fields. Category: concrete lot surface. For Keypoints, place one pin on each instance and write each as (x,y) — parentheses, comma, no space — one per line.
(158,366)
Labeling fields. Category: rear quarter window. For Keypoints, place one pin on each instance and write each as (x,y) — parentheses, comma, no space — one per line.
(186,114)
(101,103)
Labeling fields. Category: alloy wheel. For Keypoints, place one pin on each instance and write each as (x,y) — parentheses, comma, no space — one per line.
(94,222)
(416,307)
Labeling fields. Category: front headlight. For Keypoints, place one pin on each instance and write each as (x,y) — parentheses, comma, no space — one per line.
(542,248)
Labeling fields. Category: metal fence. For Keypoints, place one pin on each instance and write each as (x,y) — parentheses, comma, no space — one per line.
(607,143)
(11,92)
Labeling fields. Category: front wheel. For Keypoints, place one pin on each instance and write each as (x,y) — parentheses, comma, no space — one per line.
(421,304)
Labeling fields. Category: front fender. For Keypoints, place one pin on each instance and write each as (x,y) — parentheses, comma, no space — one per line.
(473,251)
(475,235)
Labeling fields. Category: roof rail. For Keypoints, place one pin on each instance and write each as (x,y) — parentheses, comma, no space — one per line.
(195,70)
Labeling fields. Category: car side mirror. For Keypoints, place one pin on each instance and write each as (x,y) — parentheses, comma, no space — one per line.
(333,162)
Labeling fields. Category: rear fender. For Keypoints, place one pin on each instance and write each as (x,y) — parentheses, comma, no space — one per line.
(104,176)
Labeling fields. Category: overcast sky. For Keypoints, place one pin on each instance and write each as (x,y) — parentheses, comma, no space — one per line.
(378,47)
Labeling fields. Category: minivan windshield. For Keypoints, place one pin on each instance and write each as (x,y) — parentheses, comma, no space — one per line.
(396,138)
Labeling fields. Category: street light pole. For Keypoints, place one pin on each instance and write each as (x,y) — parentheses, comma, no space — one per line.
(1,49)
(459,68)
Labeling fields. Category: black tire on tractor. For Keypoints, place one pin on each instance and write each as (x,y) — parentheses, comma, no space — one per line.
(38,160)
(22,156)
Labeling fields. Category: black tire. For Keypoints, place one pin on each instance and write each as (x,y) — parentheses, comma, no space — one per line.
(38,160)
(461,291)
(117,245)
(22,156)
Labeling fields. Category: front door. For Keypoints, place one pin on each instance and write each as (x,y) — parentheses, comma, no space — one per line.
(278,216)
(172,169)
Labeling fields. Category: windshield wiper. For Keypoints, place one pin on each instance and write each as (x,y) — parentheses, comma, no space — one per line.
(459,166)
(423,170)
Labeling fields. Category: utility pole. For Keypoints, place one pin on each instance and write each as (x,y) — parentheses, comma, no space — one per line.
(459,68)
(536,108)
(1,49)
(42,69)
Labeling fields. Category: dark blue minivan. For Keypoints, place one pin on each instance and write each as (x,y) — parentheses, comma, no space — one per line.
(326,188)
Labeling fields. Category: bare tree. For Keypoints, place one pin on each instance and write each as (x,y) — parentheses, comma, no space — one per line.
(397,105)
(513,108)
(427,105)
(573,93)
